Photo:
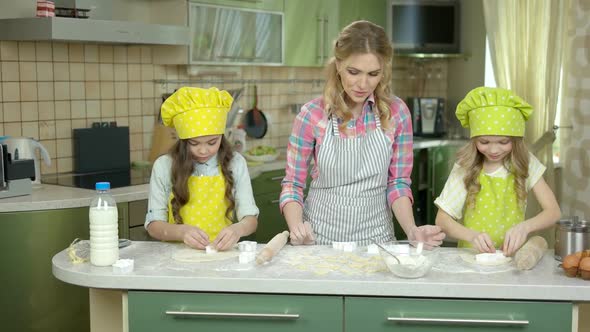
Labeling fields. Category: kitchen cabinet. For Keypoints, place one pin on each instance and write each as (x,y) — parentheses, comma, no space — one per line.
(369,10)
(267,189)
(175,311)
(270,5)
(372,314)
(440,163)
(310,29)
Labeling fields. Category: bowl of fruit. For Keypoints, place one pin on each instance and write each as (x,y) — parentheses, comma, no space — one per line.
(262,153)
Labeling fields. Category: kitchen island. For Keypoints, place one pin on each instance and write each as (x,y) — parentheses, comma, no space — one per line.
(162,294)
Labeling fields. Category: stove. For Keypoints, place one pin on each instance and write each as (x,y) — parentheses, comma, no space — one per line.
(117,178)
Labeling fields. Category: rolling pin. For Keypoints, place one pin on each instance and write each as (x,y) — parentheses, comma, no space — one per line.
(272,247)
(530,253)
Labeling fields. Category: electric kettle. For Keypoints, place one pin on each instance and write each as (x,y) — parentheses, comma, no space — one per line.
(24,148)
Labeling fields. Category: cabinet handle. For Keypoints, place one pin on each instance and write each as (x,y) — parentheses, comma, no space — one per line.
(458,321)
(231,315)
(276,178)
(275,201)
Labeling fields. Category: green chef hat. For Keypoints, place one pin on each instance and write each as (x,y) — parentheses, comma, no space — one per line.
(493,111)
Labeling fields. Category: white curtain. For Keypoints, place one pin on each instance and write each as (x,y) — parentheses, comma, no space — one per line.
(527,42)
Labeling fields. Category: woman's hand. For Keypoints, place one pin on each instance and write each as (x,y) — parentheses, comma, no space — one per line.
(194,237)
(515,238)
(302,233)
(228,237)
(429,234)
(482,242)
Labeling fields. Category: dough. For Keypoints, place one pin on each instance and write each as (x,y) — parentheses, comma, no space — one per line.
(189,255)
(470,258)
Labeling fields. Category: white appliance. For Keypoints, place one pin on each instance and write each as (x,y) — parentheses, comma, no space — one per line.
(26,148)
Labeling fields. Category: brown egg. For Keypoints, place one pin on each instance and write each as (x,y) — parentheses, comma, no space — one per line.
(570,265)
(585,268)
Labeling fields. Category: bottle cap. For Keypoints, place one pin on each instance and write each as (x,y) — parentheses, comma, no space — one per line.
(103,185)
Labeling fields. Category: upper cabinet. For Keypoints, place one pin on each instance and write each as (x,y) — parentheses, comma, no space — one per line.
(369,10)
(310,29)
(232,35)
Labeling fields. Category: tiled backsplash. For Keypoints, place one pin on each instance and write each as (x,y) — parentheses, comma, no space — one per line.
(47,89)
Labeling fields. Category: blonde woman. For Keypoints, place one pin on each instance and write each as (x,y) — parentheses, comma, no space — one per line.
(488,185)
(360,139)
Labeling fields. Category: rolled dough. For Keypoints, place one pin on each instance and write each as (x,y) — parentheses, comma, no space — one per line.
(189,255)
(470,258)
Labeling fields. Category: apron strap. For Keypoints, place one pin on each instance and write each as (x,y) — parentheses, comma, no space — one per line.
(335,130)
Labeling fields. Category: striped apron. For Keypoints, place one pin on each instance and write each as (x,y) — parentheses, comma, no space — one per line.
(348,199)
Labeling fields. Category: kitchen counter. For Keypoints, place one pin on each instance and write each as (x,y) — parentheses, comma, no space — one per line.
(156,270)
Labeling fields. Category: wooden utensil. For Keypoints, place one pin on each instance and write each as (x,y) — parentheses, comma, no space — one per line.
(272,247)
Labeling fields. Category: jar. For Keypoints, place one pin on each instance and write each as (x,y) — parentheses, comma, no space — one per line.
(571,235)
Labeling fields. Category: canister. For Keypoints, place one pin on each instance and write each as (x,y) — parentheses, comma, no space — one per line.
(571,235)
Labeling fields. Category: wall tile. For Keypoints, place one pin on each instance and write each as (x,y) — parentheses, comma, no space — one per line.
(26,51)
(63,128)
(29,111)
(147,72)
(10,71)
(107,108)
(107,90)
(30,129)
(134,89)
(135,124)
(91,72)
(8,50)
(12,112)
(2,129)
(45,91)
(47,129)
(65,165)
(121,90)
(93,109)
(146,54)
(147,106)
(159,72)
(78,123)
(63,110)
(61,71)
(120,54)
(90,53)
(92,90)
(61,52)
(27,71)
(76,52)
(12,129)
(134,72)
(147,89)
(133,54)
(43,51)
(105,54)
(106,72)
(77,71)
(121,107)
(120,72)
(46,110)
(77,90)
(62,90)
(64,148)
(78,108)
(135,142)
(45,71)
(122,121)
(134,106)
(28,91)
(147,123)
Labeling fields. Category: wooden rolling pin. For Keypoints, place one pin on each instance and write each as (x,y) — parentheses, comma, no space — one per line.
(530,253)
(272,247)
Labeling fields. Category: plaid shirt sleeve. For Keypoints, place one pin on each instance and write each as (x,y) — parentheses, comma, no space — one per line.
(400,168)
(300,150)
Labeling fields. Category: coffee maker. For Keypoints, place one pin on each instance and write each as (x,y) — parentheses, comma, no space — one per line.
(427,116)
(16,175)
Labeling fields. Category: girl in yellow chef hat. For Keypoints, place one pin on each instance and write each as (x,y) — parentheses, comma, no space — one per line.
(201,186)
(488,185)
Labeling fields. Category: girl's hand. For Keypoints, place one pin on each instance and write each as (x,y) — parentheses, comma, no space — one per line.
(228,237)
(482,242)
(514,239)
(194,237)
(429,234)
(302,234)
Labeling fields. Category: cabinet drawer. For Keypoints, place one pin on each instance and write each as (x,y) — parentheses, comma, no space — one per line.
(408,315)
(268,182)
(169,311)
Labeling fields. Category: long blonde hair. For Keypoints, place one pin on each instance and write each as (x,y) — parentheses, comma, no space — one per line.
(517,163)
(182,168)
(360,37)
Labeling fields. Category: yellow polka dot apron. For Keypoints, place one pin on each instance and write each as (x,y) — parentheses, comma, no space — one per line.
(496,209)
(206,206)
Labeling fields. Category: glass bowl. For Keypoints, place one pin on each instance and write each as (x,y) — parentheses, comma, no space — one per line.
(413,262)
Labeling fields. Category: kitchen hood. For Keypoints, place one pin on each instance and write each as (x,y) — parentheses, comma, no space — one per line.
(92,30)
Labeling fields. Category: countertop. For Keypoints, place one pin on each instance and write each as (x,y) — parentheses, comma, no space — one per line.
(50,197)
(155,269)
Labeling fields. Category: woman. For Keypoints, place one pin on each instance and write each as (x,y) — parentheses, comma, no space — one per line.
(360,139)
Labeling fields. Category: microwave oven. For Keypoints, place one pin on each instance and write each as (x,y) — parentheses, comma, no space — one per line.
(427,116)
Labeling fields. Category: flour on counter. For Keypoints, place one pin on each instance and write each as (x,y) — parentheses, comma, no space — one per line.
(323,260)
(189,255)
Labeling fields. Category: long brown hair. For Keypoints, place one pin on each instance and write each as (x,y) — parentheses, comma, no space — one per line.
(517,163)
(182,169)
(360,37)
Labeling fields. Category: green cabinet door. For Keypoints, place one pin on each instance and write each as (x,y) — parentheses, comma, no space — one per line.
(310,28)
(177,312)
(270,220)
(419,192)
(369,10)
(431,315)
(32,298)
(440,163)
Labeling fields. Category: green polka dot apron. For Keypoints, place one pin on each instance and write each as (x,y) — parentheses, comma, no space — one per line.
(206,206)
(496,209)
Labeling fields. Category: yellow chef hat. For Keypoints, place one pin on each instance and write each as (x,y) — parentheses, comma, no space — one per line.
(197,112)
(493,111)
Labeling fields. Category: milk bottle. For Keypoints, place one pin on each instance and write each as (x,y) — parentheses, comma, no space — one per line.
(104,233)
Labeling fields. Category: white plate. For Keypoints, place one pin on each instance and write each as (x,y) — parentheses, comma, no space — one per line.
(263,158)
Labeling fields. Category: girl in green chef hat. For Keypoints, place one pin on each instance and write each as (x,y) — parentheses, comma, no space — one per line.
(488,185)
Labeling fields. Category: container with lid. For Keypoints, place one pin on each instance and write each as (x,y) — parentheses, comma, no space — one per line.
(571,235)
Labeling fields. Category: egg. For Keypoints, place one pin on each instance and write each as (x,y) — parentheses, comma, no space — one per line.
(570,265)
(585,268)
